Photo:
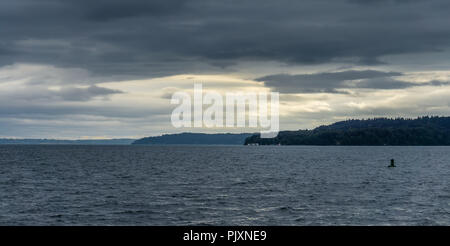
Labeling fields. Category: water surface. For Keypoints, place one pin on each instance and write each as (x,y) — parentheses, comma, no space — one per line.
(223,185)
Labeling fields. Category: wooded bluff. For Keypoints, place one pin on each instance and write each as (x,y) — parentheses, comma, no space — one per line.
(423,131)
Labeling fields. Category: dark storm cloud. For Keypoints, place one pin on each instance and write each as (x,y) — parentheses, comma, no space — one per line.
(374,2)
(332,82)
(155,38)
(107,10)
(85,94)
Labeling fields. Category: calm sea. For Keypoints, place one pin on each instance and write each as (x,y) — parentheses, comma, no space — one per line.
(223,185)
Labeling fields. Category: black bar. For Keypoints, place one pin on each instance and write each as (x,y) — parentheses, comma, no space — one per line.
(182,235)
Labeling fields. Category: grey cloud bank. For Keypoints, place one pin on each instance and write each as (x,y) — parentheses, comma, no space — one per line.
(85,94)
(332,82)
(155,38)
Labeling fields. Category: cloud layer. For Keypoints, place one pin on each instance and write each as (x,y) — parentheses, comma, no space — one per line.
(334,82)
(156,38)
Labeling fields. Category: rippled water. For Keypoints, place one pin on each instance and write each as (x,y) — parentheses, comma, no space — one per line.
(223,185)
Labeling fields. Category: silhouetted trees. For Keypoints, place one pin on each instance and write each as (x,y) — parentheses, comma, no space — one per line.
(378,131)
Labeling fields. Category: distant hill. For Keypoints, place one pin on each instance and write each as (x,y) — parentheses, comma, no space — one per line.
(196,138)
(123,141)
(423,131)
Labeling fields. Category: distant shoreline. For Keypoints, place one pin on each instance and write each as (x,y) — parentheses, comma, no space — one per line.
(422,131)
(8,141)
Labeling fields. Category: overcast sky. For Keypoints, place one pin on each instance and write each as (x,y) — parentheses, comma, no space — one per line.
(107,68)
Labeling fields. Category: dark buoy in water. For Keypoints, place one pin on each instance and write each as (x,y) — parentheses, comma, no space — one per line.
(392,163)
